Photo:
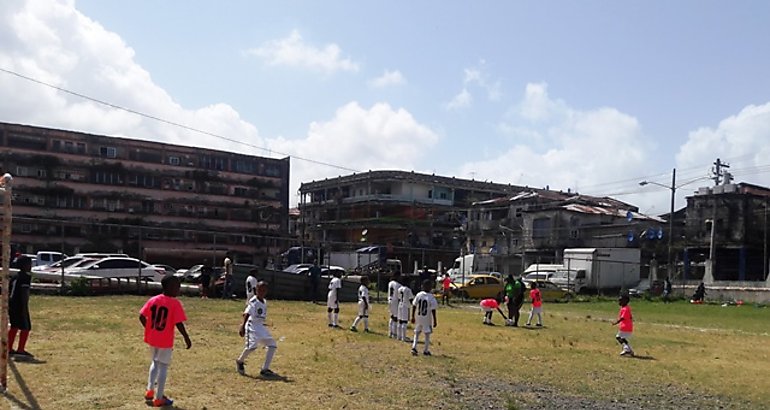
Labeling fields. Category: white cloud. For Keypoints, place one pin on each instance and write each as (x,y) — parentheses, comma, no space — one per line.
(462,100)
(292,51)
(741,140)
(388,79)
(380,137)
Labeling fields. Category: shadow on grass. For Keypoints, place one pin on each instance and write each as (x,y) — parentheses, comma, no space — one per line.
(31,401)
(273,378)
(641,357)
(174,407)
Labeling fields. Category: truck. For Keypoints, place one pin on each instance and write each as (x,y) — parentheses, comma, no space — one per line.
(467,265)
(594,269)
(367,259)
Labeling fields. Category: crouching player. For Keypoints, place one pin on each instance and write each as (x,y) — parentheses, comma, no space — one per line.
(256,334)
(363,305)
(423,308)
(489,306)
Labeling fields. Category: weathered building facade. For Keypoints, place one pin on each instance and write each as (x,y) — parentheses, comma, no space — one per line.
(416,216)
(167,203)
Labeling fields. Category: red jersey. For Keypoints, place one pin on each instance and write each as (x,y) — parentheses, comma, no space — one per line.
(447,281)
(489,303)
(537,300)
(162,313)
(626,323)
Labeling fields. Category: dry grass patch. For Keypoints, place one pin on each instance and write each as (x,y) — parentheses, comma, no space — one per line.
(92,356)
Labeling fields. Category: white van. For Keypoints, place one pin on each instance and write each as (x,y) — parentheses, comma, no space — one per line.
(45,258)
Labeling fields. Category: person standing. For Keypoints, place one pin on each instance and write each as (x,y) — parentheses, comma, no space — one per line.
(519,289)
(255,333)
(393,286)
(363,305)
(446,290)
(666,290)
(332,300)
(251,284)
(227,273)
(423,309)
(537,305)
(510,294)
(159,316)
(18,307)
(315,280)
(205,280)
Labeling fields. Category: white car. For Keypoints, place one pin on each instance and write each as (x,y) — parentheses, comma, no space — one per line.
(118,267)
(70,262)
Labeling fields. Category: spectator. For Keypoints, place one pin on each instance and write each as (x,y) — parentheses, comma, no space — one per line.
(666,290)
(227,284)
(315,281)
(18,307)
(205,280)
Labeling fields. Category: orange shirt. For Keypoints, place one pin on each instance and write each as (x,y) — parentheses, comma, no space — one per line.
(447,281)
(537,300)
(162,313)
(626,320)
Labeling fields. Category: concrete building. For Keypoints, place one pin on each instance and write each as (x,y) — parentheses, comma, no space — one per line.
(165,203)
(418,217)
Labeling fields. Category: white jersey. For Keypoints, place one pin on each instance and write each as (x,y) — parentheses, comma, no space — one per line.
(251,287)
(425,303)
(363,300)
(331,298)
(257,311)
(393,297)
(405,297)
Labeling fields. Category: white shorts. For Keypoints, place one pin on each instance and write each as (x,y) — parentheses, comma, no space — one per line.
(258,336)
(419,327)
(403,313)
(487,309)
(393,307)
(537,310)
(362,310)
(624,335)
(161,355)
(331,301)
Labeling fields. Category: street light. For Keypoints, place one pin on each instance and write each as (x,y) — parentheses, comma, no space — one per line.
(670,216)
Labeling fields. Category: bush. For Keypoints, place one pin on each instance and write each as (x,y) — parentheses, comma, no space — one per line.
(79,287)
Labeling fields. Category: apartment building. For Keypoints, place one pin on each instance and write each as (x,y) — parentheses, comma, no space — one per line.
(165,203)
(418,217)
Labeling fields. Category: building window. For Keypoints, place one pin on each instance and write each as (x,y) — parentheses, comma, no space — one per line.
(108,152)
(172,160)
(443,195)
(240,191)
(41,173)
(541,228)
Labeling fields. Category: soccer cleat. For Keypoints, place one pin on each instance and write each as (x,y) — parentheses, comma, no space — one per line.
(240,368)
(331,325)
(353,329)
(539,325)
(162,402)
(266,373)
(407,340)
(367,330)
(426,353)
(414,352)
(11,352)
(623,352)
(149,394)
(25,354)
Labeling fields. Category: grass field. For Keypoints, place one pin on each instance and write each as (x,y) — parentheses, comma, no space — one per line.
(90,355)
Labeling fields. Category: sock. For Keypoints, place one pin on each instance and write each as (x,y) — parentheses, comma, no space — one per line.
(23,336)
(392,328)
(529,320)
(162,372)
(153,375)
(427,342)
(366,322)
(329,314)
(414,342)
(269,357)
(244,355)
(11,337)
(336,318)
(539,318)
(355,321)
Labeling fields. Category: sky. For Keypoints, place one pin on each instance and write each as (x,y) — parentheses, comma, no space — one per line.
(591,96)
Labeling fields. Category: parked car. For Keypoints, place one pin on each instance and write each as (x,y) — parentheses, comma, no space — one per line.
(64,263)
(43,258)
(297,267)
(550,292)
(643,287)
(167,269)
(537,276)
(118,267)
(479,287)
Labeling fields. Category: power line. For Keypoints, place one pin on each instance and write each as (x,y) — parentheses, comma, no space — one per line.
(172,123)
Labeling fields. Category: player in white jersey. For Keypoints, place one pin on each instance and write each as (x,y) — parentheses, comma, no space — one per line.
(405,297)
(251,284)
(254,330)
(423,308)
(332,304)
(363,305)
(393,285)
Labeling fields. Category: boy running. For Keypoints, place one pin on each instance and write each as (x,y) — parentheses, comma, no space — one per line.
(254,330)
(405,298)
(625,324)
(332,303)
(423,307)
(363,305)
(537,305)
(159,316)
(393,286)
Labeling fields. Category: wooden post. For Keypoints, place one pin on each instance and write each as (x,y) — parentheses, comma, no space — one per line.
(5,188)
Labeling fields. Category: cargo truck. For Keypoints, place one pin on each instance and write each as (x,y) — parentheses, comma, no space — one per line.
(594,269)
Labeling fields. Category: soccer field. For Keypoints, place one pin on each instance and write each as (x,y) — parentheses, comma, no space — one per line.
(90,354)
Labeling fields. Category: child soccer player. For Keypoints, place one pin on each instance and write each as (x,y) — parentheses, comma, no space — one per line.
(393,286)
(332,304)
(537,305)
(254,330)
(405,298)
(363,305)
(251,284)
(159,316)
(489,306)
(625,324)
(18,307)
(423,307)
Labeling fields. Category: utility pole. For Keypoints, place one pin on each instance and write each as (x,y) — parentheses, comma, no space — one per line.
(718,174)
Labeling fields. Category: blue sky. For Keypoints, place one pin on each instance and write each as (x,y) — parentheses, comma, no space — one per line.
(592,96)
